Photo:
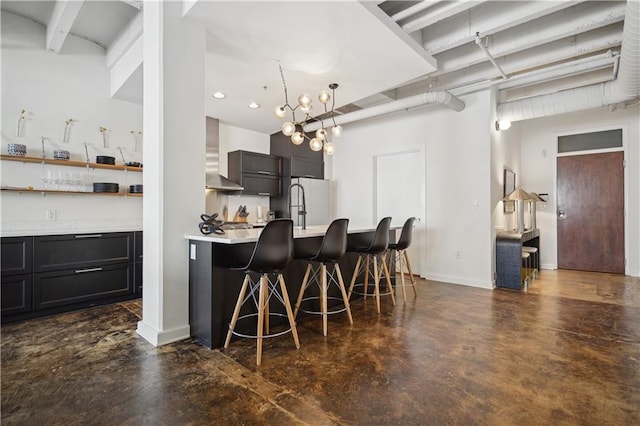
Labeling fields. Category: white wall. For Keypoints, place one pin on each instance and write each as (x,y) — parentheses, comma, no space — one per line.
(538,164)
(458,206)
(53,88)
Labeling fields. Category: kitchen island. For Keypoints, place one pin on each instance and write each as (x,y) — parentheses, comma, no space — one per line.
(214,288)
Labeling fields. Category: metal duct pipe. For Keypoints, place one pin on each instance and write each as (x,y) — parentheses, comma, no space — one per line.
(624,88)
(427,98)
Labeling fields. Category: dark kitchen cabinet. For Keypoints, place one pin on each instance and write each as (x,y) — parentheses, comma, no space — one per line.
(17,267)
(297,161)
(56,252)
(48,274)
(69,286)
(137,261)
(259,174)
(16,294)
(304,167)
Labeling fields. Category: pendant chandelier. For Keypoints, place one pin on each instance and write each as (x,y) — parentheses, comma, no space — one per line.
(294,128)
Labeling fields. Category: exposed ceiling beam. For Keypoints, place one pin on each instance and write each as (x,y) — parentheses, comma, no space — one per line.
(552,53)
(134,3)
(412,10)
(447,10)
(527,36)
(461,29)
(398,32)
(62,18)
(123,42)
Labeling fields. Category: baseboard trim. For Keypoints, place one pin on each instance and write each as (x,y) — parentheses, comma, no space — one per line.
(159,338)
(461,281)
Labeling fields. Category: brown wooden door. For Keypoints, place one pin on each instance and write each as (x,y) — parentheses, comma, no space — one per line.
(591,212)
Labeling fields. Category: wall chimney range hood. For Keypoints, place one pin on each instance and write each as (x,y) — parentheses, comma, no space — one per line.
(214,180)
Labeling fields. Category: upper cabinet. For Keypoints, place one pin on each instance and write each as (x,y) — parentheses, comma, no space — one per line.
(259,174)
(299,160)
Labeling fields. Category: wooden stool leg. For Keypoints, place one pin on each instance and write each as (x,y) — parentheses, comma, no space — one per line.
(355,275)
(411,277)
(344,293)
(386,274)
(400,263)
(323,297)
(261,303)
(303,288)
(236,311)
(376,281)
(287,306)
(366,276)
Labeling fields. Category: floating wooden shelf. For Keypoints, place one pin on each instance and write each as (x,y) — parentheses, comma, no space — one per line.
(68,163)
(57,192)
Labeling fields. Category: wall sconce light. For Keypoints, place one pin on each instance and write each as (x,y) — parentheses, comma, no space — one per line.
(503,124)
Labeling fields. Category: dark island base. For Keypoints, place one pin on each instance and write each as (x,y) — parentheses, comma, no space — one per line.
(214,289)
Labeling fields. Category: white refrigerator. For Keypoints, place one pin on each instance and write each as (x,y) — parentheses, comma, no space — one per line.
(317,198)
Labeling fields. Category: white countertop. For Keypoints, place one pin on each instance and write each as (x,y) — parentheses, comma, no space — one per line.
(238,236)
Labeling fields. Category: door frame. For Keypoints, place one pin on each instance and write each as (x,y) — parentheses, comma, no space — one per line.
(419,149)
(624,149)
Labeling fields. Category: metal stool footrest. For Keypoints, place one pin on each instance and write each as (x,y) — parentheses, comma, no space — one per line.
(372,289)
(333,311)
(255,336)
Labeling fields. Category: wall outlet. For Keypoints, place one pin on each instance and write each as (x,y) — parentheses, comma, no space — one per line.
(458,255)
(50,215)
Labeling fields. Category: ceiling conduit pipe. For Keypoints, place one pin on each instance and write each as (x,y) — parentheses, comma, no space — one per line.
(489,55)
(624,88)
(427,98)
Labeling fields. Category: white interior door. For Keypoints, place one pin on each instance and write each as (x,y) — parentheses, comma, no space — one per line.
(400,193)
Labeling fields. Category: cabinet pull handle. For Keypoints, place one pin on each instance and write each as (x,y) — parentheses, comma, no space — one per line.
(80,271)
(89,236)
(309,176)
(264,193)
(262,172)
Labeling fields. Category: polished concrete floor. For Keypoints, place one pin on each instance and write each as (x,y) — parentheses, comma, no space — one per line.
(566,351)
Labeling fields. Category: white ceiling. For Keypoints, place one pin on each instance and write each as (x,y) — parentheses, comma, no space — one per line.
(376,51)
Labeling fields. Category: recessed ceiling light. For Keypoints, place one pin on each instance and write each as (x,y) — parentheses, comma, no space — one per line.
(218,95)
(254,105)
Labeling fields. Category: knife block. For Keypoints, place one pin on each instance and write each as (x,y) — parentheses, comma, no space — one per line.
(238,218)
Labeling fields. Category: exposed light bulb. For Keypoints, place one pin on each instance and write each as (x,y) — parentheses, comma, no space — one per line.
(324,97)
(315,144)
(306,109)
(321,134)
(329,148)
(503,125)
(304,100)
(297,138)
(279,111)
(336,131)
(288,128)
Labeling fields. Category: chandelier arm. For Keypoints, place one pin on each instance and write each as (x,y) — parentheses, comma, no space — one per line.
(284,84)
(333,105)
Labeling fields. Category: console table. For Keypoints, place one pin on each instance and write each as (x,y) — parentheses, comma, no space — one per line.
(509,256)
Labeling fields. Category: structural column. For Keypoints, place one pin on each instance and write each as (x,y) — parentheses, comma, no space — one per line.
(174,165)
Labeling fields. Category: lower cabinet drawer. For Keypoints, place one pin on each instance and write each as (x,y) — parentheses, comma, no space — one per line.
(60,288)
(16,294)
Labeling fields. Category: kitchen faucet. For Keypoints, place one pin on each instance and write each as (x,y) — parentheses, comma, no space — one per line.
(302,212)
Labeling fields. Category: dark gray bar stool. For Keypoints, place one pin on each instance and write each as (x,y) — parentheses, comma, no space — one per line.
(271,254)
(374,256)
(398,254)
(331,250)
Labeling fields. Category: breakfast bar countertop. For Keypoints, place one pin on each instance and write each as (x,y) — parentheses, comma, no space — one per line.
(238,236)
